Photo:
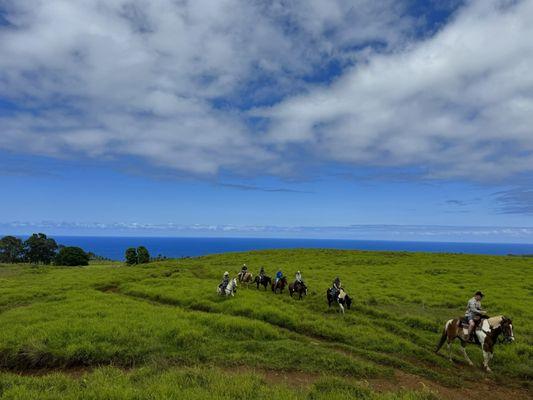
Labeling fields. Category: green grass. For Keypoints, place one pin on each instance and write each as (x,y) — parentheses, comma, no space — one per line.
(160,331)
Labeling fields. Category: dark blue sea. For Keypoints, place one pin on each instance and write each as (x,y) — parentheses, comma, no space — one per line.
(114,247)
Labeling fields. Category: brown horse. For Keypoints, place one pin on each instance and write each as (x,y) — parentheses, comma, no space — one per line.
(487,334)
(279,285)
(298,287)
(246,277)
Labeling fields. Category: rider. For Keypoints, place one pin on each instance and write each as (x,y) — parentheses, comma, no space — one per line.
(299,278)
(261,274)
(225,281)
(279,276)
(474,312)
(336,288)
(244,270)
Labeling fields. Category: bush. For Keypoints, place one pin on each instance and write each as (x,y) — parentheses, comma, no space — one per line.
(131,256)
(71,256)
(143,256)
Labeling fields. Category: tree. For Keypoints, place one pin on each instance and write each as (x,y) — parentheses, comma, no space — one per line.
(143,256)
(40,249)
(71,256)
(11,249)
(131,256)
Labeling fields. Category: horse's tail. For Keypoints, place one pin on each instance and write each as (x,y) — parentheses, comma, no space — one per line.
(444,336)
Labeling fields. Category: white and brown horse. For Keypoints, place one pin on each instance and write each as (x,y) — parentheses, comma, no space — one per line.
(487,333)
(230,289)
(245,277)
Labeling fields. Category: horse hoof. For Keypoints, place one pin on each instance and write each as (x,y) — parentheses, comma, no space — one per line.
(471,363)
(488,370)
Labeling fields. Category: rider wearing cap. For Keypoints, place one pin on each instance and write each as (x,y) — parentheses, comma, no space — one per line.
(225,280)
(336,288)
(298,278)
(279,276)
(474,312)
(243,272)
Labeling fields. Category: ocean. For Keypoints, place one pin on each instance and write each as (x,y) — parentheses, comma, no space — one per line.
(114,247)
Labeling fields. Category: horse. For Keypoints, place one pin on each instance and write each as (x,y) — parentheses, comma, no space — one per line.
(265,281)
(487,333)
(230,289)
(247,277)
(298,287)
(342,299)
(279,285)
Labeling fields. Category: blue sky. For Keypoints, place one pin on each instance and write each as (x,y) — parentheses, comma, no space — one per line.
(353,119)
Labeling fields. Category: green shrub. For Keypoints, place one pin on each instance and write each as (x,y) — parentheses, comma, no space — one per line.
(71,256)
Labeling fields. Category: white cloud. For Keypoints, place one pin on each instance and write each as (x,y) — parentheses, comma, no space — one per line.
(459,103)
(123,78)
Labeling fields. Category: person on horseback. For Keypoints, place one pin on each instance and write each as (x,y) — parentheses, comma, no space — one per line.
(243,272)
(279,276)
(336,287)
(261,274)
(225,281)
(299,280)
(474,312)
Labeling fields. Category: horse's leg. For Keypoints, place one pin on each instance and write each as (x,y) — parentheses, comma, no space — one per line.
(341,308)
(487,356)
(463,348)
(450,349)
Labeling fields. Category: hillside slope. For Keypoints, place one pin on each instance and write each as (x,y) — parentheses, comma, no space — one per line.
(160,331)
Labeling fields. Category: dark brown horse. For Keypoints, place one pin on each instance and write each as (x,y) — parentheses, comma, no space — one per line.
(298,287)
(265,281)
(487,334)
(279,285)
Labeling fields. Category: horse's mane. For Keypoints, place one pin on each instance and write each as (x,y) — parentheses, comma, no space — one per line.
(496,321)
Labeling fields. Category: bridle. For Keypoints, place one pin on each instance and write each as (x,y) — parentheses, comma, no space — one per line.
(506,330)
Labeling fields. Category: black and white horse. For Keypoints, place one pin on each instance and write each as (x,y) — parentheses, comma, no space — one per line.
(341,298)
(487,334)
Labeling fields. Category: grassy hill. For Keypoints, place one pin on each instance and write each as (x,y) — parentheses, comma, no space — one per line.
(160,331)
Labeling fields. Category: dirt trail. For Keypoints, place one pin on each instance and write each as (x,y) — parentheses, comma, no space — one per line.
(486,389)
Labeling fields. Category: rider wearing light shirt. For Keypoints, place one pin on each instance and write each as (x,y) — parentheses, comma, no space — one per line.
(474,312)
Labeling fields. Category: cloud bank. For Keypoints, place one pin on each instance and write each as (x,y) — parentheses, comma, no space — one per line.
(204,87)
(361,232)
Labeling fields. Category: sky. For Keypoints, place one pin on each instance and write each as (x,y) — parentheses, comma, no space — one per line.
(397,119)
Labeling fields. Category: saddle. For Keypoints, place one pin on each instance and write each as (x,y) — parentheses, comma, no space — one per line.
(463,323)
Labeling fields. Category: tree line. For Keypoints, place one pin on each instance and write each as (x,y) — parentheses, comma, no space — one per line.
(40,249)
